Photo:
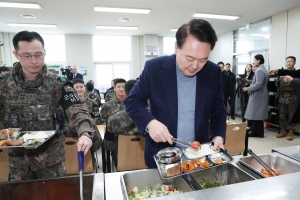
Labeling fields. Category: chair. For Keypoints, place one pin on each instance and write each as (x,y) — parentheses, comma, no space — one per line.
(3,165)
(235,142)
(131,152)
(71,157)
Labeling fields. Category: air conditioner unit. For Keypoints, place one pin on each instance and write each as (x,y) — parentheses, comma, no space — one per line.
(151,50)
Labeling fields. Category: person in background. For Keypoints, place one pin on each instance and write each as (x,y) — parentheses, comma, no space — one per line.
(225,84)
(91,94)
(244,95)
(116,104)
(4,70)
(185,92)
(112,84)
(119,124)
(31,97)
(75,73)
(94,90)
(231,100)
(257,108)
(287,95)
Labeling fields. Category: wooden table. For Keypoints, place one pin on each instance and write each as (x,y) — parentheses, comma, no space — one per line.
(101,129)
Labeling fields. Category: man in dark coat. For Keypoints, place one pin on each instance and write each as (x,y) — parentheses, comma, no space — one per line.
(75,73)
(232,78)
(225,84)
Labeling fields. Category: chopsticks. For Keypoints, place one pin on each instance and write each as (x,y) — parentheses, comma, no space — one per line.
(182,144)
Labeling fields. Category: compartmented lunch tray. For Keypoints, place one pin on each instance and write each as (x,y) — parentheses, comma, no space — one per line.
(210,158)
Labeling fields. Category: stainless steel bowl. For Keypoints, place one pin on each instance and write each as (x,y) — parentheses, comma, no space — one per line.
(169,155)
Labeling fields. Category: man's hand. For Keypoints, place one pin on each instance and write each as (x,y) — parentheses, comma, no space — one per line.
(273,71)
(245,89)
(218,143)
(159,132)
(287,79)
(84,144)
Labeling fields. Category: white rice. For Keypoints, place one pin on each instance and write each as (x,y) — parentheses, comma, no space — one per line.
(205,150)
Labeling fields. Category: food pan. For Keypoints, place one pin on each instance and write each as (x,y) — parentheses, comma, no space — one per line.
(274,160)
(143,179)
(222,174)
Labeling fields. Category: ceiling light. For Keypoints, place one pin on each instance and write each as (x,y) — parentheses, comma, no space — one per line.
(124,19)
(28,16)
(20,5)
(122,10)
(174,29)
(261,35)
(202,15)
(33,25)
(118,27)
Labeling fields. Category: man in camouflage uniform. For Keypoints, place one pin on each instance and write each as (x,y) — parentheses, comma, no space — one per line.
(286,102)
(114,105)
(31,98)
(119,124)
(110,95)
(92,94)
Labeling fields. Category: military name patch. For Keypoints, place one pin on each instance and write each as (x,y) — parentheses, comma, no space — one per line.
(72,97)
(68,88)
(27,96)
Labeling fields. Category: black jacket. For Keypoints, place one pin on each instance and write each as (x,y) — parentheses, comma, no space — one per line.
(232,78)
(77,76)
(227,89)
(296,83)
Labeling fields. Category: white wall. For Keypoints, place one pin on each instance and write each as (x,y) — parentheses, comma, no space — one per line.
(293,33)
(79,51)
(277,52)
(223,49)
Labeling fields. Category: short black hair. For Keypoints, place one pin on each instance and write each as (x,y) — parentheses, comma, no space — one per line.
(292,57)
(220,63)
(91,81)
(260,58)
(119,80)
(200,29)
(129,85)
(228,64)
(89,86)
(78,80)
(26,36)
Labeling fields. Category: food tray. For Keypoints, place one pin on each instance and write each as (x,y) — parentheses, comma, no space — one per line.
(162,168)
(49,134)
(274,160)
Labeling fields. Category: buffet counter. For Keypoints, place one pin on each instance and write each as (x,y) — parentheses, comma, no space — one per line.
(291,152)
(281,187)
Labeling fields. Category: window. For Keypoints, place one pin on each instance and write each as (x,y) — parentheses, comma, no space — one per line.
(169,45)
(55,48)
(112,57)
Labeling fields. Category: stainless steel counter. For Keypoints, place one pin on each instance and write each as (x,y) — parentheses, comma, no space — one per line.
(98,186)
(282,187)
(291,152)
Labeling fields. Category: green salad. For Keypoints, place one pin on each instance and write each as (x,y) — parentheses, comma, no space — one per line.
(207,184)
(157,190)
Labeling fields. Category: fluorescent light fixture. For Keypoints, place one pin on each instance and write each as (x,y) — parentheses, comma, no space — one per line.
(202,15)
(28,16)
(261,35)
(118,27)
(20,5)
(33,25)
(174,29)
(122,10)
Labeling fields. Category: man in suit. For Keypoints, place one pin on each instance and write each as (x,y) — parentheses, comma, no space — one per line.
(225,84)
(232,78)
(75,73)
(185,93)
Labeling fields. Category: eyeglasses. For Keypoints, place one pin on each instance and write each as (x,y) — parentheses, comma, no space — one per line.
(29,57)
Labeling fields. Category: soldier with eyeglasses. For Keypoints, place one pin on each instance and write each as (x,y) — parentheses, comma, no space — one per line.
(32,98)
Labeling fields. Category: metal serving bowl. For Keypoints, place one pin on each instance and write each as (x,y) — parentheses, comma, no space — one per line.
(169,155)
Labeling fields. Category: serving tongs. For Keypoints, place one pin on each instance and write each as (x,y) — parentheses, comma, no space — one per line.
(182,143)
(265,165)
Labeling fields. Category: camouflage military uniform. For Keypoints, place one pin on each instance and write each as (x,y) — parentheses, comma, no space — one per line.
(95,97)
(286,102)
(1,110)
(110,95)
(118,124)
(33,106)
(110,108)
(93,108)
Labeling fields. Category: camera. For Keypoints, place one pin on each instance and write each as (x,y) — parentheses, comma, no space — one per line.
(66,72)
(242,75)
